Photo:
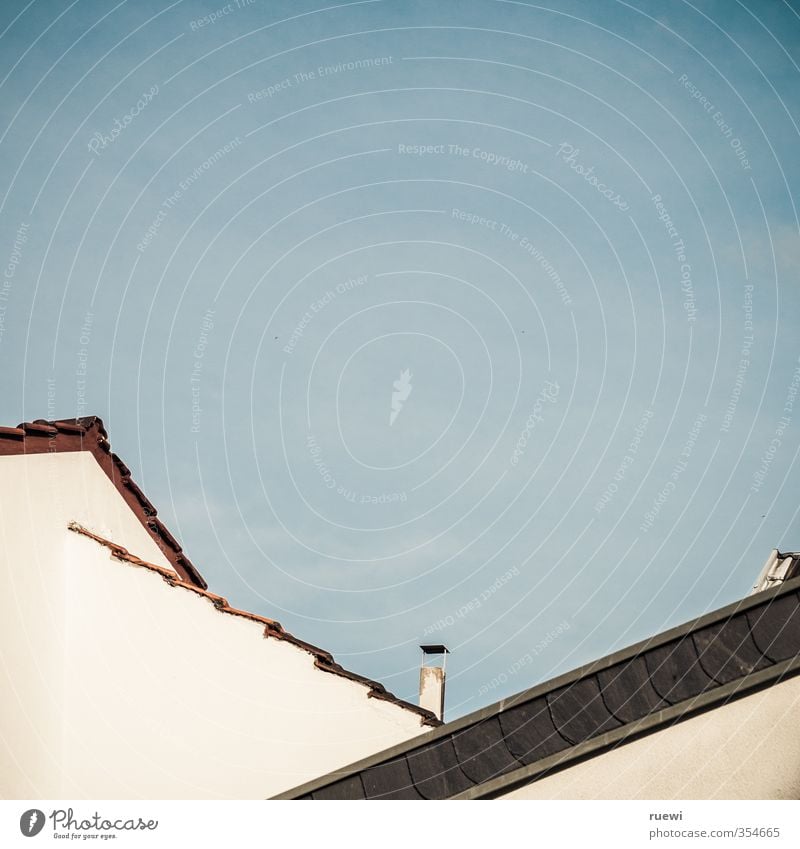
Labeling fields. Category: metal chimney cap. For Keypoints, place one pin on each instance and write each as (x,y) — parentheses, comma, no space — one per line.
(435,649)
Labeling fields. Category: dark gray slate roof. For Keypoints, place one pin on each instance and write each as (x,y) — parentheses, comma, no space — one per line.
(746,646)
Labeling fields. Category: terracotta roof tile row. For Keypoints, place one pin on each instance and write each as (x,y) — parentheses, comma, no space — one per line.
(88,434)
(322,659)
(751,644)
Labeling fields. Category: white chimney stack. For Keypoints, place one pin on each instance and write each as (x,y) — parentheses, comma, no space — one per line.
(431,679)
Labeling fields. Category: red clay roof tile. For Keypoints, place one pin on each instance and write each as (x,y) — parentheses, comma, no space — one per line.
(89,434)
(322,660)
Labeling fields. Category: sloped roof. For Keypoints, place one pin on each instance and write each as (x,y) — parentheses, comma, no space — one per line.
(88,434)
(322,659)
(740,648)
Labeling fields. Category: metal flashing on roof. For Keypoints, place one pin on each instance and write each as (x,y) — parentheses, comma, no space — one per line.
(778,568)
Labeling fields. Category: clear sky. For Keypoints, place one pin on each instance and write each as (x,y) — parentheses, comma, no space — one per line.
(461,322)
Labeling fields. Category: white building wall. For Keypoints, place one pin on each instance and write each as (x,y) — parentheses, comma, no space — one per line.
(117,685)
(746,749)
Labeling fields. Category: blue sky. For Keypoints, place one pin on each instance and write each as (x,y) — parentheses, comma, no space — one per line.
(229,229)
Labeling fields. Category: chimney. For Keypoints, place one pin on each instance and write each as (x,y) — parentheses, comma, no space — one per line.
(431,679)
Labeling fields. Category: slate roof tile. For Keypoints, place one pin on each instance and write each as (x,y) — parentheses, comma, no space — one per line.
(627,690)
(579,712)
(436,772)
(726,650)
(482,751)
(529,731)
(775,627)
(390,780)
(675,671)
(348,788)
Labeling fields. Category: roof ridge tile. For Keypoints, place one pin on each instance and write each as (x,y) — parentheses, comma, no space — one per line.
(89,434)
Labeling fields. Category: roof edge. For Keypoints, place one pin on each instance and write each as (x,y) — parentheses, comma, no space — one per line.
(721,695)
(323,660)
(545,687)
(89,434)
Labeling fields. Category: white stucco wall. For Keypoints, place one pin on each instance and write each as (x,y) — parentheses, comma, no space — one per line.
(116,685)
(746,749)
